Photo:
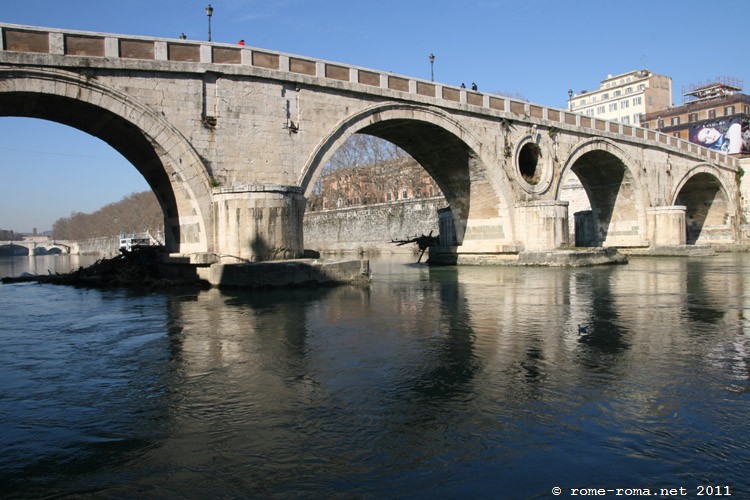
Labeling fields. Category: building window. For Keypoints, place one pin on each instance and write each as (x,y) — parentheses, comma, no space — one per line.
(626,120)
(660,123)
(641,86)
(613,106)
(675,120)
(583,102)
(692,117)
(729,111)
(593,98)
(747,110)
(637,101)
(404,194)
(629,90)
(617,92)
(636,118)
(625,104)
(676,134)
(605,96)
(711,113)
(600,110)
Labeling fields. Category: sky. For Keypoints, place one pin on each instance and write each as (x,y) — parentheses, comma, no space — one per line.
(535,49)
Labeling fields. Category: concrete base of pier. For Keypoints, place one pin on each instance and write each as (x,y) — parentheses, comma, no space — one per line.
(286,273)
(578,257)
(672,251)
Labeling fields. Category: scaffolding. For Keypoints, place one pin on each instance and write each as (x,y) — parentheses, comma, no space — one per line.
(721,86)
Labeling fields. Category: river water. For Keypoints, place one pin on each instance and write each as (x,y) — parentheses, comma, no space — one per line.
(448,382)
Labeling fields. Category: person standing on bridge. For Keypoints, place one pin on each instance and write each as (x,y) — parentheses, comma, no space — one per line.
(474,86)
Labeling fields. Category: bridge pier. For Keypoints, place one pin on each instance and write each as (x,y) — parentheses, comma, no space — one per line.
(667,225)
(259,223)
(542,225)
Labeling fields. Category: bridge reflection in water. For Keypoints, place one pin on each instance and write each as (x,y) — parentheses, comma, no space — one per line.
(433,381)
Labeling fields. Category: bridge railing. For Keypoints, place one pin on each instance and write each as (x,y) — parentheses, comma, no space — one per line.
(18,38)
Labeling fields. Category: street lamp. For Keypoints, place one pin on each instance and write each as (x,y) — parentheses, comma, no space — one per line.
(570,99)
(432,67)
(209,13)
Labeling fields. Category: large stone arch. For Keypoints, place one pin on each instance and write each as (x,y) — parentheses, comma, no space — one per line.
(618,201)
(167,161)
(708,208)
(449,153)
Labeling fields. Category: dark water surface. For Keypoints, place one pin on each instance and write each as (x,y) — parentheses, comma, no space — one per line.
(432,383)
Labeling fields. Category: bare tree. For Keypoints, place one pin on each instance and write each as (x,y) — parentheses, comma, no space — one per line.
(135,213)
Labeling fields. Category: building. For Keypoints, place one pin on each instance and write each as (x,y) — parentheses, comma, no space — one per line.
(624,98)
(714,115)
(389,181)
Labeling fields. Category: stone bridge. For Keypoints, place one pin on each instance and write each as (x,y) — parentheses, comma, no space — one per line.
(232,138)
(39,247)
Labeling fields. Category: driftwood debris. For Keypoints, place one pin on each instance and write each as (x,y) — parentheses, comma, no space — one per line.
(136,268)
(423,242)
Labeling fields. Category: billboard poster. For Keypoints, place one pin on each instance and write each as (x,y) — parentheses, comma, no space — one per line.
(729,135)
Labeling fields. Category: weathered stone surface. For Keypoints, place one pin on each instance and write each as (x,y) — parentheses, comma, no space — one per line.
(572,258)
(302,272)
(372,227)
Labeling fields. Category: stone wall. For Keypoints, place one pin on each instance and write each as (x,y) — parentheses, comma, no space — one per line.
(105,247)
(372,227)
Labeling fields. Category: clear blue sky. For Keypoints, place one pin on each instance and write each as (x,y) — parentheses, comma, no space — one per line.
(536,48)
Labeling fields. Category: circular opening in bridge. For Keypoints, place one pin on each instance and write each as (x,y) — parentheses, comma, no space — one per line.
(528,163)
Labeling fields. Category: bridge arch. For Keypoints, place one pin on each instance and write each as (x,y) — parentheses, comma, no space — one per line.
(708,207)
(617,199)
(449,153)
(164,157)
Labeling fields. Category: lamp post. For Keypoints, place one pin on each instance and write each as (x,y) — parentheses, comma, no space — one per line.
(209,13)
(432,67)
(570,99)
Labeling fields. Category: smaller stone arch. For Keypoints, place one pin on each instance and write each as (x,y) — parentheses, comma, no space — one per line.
(534,163)
(709,210)
(618,201)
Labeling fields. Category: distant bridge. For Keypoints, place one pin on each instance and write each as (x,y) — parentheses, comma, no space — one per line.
(231,139)
(37,247)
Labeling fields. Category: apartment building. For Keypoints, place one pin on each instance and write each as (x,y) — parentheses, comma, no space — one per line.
(624,98)
(715,115)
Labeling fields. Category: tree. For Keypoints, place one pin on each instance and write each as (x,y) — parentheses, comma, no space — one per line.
(366,170)
(135,213)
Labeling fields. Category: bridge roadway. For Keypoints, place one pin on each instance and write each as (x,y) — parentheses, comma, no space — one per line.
(232,138)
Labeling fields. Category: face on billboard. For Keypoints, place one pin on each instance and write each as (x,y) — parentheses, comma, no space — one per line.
(708,135)
(728,136)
